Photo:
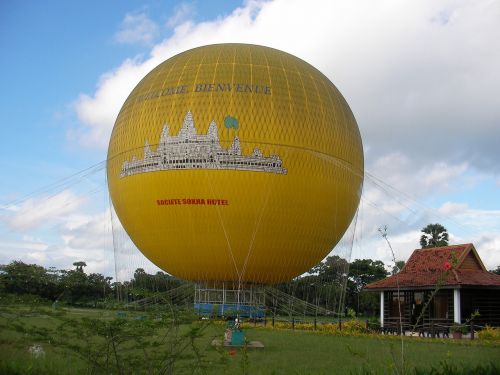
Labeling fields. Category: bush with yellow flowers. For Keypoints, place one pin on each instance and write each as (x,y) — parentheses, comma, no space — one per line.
(348,327)
(489,333)
(354,326)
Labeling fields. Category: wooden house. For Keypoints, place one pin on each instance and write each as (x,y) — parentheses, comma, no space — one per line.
(438,287)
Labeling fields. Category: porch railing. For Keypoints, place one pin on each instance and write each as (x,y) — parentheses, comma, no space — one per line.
(428,328)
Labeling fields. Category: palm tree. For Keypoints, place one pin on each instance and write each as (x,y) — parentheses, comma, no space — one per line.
(435,235)
(79,266)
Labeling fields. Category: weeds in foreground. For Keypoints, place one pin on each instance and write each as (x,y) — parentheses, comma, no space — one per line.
(153,344)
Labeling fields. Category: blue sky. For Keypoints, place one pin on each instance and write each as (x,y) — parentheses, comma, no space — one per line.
(421,77)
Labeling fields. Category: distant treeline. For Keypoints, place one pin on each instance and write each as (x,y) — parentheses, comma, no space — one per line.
(77,287)
(324,285)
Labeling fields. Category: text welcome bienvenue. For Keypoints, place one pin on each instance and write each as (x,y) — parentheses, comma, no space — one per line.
(243,88)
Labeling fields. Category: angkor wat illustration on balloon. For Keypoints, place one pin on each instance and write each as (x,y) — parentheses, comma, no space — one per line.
(190,150)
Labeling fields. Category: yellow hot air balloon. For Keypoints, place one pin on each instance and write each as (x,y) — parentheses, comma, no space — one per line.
(235,162)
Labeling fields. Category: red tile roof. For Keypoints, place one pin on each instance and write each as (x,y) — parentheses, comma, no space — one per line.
(428,268)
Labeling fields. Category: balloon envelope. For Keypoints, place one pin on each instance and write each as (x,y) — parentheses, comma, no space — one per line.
(235,162)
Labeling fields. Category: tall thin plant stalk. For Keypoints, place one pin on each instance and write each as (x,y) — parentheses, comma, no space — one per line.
(383,232)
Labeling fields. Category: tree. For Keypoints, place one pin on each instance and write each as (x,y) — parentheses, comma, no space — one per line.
(435,235)
(98,286)
(496,271)
(79,266)
(333,268)
(362,272)
(398,267)
(365,271)
(21,278)
(75,284)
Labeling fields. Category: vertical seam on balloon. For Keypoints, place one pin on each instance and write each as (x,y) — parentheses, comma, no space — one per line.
(290,106)
(232,80)
(251,83)
(321,102)
(191,96)
(270,80)
(163,85)
(213,79)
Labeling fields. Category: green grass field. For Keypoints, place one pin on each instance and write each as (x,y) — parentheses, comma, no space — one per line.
(294,352)
(73,338)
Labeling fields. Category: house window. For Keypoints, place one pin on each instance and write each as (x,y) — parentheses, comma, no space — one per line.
(417,307)
(418,298)
(440,307)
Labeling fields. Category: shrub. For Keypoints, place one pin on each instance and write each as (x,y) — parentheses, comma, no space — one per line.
(354,326)
(489,333)
(351,313)
(329,328)
(460,328)
(304,326)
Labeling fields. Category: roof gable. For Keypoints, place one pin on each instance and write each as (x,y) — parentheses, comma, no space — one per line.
(470,260)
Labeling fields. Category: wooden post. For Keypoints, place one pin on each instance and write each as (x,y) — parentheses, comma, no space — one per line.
(273,321)
(432,328)
(340,323)
(315,324)
(382,323)
(472,329)
(293,324)
(367,325)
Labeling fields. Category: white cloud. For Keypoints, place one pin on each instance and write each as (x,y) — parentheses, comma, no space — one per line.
(26,250)
(137,28)
(87,232)
(477,226)
(452,209)
(396,189)
(97,113)
(24,244)
(35,212)
(87,238)
(405,173)
(183,12)
(479,221)
(441,175)
(77,237)
(488,246)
